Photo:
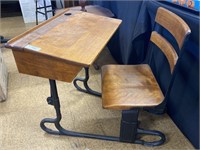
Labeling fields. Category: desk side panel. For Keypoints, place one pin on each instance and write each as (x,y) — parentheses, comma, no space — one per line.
(32,63)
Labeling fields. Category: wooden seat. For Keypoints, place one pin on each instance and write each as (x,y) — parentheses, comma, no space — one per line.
(127,86)
(130,87)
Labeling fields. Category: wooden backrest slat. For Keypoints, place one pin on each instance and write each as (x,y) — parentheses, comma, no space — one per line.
(174,24)
(166,48)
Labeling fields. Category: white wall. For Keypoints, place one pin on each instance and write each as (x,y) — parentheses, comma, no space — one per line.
(28,10)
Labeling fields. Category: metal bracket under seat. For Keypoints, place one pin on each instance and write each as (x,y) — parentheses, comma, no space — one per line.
(129,130)
(85,84)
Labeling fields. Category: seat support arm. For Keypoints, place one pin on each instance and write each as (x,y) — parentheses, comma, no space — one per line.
(85,84)
(128,132)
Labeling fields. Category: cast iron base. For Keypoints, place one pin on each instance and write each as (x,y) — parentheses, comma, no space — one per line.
(129,130)
(85,83)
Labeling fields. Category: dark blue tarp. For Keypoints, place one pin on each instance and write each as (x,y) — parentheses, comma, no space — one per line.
(130,46)
(128,11)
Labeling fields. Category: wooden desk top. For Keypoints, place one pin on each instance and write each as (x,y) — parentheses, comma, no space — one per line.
(77,38)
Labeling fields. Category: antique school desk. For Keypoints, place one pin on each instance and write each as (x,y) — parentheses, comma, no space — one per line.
(58,49)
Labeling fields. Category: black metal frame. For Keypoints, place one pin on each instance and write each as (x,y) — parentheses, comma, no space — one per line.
(129,130)
(85,83)
(45,13)
(45,10)
(3,40)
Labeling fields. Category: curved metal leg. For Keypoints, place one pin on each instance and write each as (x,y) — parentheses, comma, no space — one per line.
(54,100)
(128,132)
(150,132)
(85,83)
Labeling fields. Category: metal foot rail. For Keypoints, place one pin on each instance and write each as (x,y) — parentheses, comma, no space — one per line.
(128,132)
(85,83)
(150,132)
(54,100)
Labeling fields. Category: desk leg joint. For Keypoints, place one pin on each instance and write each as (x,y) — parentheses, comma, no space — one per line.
(50,100)
(85,83)
(54,100)
(128,132)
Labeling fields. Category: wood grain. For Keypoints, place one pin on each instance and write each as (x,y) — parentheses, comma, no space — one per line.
(95,9)
(29,62)
(166,48)
(64,44)
(81,38)
(174,24)
(78,38)
(21,37)
(128,86)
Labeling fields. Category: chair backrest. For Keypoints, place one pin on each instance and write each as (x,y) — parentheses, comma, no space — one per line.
(169,21)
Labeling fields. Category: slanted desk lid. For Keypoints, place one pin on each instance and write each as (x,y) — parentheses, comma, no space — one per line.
(78,38)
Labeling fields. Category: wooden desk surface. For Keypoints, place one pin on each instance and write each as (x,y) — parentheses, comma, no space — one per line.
(61,46)
(77,38)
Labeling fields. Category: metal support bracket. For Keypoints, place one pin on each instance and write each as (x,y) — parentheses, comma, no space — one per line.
(152,133)
(54,100)
(85,83)
(128,132)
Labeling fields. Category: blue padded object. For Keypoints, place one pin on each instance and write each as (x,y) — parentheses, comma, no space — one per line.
(125,34)
(183,101)
(128,46)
